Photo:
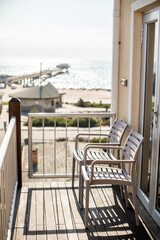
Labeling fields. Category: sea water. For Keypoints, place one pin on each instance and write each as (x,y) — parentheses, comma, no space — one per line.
(82,74)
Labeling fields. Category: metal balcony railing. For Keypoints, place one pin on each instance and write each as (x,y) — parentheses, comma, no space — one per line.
(50,149)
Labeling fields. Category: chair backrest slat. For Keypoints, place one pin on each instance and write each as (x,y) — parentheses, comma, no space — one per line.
(117,131)
(130,151)
(113,138)
(132,145)
(127,156)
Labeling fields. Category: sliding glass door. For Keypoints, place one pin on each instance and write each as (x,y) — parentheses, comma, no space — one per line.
(149,167)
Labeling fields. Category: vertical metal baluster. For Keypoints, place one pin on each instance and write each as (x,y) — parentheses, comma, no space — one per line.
(77,125)
(43,145)
(30,147)
(66,149)
(55,165)
(77,133)
(89,126)
(100,125)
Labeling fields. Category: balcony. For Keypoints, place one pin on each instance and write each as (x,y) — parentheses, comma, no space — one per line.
(49,210)
(46,207)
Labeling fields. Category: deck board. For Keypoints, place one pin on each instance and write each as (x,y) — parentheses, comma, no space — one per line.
(76,216)
(71,232)
(49,213)
(50,210)
(40,213)
(31,213)
(20,219)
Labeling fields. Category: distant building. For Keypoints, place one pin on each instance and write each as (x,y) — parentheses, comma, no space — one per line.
(39,99)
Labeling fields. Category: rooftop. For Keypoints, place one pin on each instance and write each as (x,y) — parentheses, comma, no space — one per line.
(41,92)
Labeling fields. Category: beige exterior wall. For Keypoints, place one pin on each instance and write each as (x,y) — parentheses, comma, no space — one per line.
(127,105)
(125,16)
(41,105)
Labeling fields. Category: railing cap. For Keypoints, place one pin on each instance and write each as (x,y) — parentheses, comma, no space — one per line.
(32,115)
(15,100)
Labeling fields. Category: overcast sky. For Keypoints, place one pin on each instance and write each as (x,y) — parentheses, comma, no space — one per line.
(56,29)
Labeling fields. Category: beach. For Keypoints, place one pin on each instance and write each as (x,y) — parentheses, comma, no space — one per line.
(91,95)
(69,97)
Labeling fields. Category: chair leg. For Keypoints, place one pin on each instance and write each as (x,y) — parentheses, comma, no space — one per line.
(81,190)
(73,171)
(126,196)
(135,204)
(121,191)
(80,180)
(87,203)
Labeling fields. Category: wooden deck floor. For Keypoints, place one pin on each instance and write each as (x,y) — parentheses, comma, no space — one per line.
(49,210)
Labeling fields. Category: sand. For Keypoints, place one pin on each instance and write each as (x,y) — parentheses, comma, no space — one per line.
(70,96)
(73,95)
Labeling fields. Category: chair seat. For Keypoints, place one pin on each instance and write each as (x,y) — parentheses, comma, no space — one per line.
(93,155)
(111,174)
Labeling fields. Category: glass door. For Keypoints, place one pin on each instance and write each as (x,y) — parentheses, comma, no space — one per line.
(149,167)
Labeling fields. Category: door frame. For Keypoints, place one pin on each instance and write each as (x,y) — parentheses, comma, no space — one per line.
(149,202)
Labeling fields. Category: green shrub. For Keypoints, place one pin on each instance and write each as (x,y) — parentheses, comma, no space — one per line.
(84,122)
(34,110)
(37,122)
(48,122)
(4,103)
(97,140)
(81,103)
(61,122)
(106,121)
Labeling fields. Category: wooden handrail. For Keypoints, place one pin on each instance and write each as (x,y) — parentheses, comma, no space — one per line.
(15,110)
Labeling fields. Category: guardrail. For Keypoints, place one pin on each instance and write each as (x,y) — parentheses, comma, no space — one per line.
(50,149)
(8,179)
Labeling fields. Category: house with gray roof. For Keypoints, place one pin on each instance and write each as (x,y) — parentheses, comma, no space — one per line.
(39,99)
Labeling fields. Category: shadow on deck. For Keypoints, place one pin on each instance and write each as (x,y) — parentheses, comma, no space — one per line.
(50,210)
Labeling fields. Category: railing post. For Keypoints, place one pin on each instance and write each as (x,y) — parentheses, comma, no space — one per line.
(15,110)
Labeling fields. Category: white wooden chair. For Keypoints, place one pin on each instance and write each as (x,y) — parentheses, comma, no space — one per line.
(114,138)
(98,175)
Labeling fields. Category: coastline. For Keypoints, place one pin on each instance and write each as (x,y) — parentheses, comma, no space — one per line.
(70,95)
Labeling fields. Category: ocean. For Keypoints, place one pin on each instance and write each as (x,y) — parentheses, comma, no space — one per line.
(82,74)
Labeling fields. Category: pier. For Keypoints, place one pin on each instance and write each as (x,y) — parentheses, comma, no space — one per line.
(37,76)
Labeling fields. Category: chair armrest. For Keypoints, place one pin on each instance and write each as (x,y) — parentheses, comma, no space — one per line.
(111,161)
(84,173)
(102,145)
(87,134)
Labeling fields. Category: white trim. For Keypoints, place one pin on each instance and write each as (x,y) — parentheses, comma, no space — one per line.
(115,55)
(130,70)
(136,6)
(150,201)
(139,4)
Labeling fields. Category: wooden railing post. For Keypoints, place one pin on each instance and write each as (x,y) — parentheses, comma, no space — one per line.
(15,110)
